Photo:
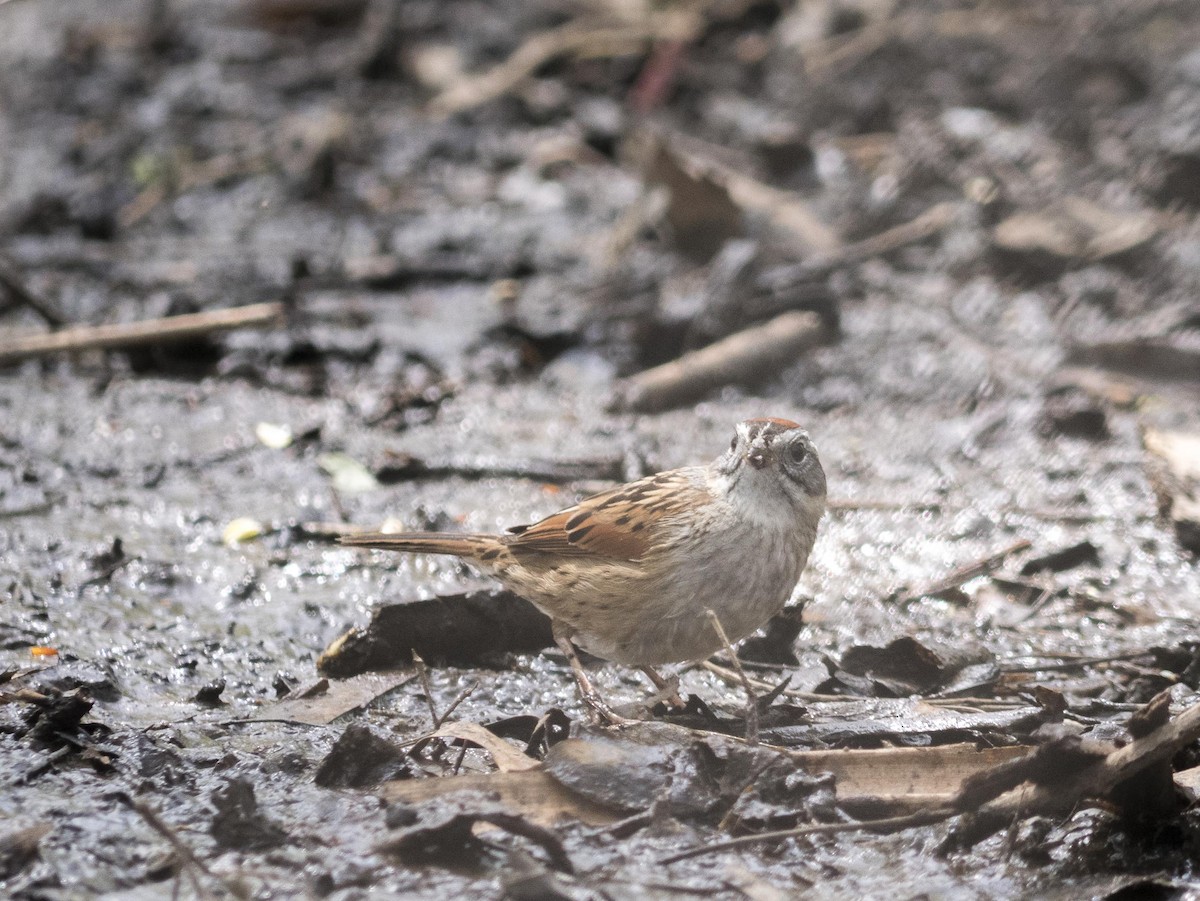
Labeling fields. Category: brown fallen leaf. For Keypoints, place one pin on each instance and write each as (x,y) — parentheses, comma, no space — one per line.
(1075,228)
(508,758)
(532,793)
(340,697)
(460,629)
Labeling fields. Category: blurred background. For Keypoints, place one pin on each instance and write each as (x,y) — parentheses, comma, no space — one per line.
(958,241)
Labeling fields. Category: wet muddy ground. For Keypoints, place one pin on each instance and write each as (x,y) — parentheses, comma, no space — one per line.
(996,204)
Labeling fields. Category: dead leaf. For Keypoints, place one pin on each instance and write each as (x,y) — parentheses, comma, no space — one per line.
(508,759)
(341,697)
(1075,228)
(532,793)
(361,757)
(459,629)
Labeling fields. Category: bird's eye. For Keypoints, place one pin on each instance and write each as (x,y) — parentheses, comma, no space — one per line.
(797,452)
(733,444)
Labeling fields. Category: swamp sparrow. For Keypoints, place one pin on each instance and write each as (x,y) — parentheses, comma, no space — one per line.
(630,574)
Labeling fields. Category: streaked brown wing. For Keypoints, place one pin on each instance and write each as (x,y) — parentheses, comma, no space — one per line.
(619,524)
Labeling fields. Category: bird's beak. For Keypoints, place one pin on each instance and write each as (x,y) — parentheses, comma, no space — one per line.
(756,455)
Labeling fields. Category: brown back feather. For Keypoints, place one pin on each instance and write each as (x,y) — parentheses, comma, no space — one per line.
(620,524)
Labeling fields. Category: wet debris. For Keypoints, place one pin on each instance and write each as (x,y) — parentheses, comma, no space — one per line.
(1065,770)
(701,214)
(1073,414)
(537,733)
(950,587)
(238,823)
(209,694)
(777,644)
(905,667)
(709,779)
(1162,343)
(905,722)
(713,199)
(525,879)
(53,715)
(15,291)
(507,758)
(447,836)
(72,676)
(324,700)
(590,38)
(1072,770)
(362,757)
(533,793)
(470,629)
(1169,356)
(1083,553)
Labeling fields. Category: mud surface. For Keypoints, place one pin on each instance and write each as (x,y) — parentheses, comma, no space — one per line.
(465,290)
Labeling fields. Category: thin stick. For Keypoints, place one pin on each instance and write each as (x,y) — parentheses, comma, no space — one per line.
(190,861)
(462,696)
(924,226)
(138,334)
(741,357)
(751,697)
(570,39)
(423,675)
(921,818)
(966,573)
(16,287)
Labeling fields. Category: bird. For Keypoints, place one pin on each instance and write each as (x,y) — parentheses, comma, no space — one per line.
(631,574)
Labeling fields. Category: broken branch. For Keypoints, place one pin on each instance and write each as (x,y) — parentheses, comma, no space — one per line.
(139,334)
(742,357)
(11,282)
(966,573)
(473,91)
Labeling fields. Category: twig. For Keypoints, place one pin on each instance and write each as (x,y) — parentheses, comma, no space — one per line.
(104,575)
(11,282)
(788,213)
(137,334)
(569,39)
(840,505)
(922,818)
(742,357)
(42,765)
(751,697)
(732,677)
(423,675)
(966,573)
(401,467)
(1078,663)
(926,225)
(462,696)
(190,861)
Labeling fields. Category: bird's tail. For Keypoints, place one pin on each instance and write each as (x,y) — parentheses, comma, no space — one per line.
(454,543)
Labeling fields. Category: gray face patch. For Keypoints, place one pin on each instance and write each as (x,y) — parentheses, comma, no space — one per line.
(760,443)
